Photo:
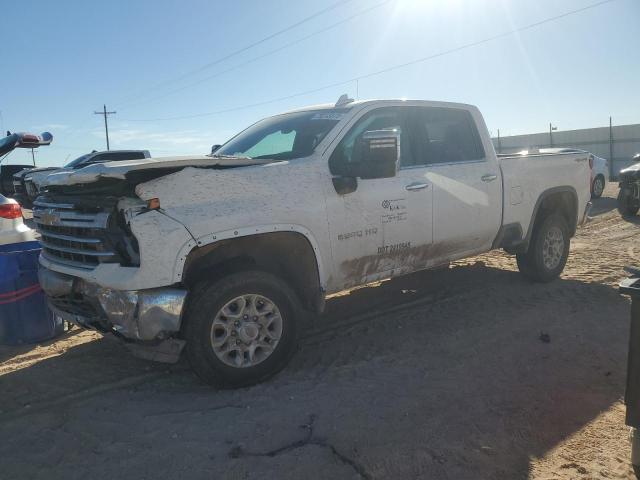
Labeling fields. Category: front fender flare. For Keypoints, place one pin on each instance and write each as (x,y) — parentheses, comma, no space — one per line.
(211,238)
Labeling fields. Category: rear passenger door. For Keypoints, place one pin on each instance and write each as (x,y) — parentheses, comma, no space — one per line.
(467,194)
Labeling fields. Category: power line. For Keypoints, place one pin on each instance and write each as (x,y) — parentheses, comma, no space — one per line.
(486,40)
(271,36)
(266,54)
(388,69)
(242,107)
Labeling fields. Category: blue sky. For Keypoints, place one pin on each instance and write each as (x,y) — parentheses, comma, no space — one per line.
(148,60)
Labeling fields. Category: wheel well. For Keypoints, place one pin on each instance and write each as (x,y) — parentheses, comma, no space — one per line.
(289,255)
(564,202)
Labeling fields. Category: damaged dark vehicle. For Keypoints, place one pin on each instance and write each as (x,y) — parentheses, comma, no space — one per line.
(629,195)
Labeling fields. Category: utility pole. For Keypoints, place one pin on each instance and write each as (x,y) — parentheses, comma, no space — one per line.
(610,147)
(106,127)
(499,143)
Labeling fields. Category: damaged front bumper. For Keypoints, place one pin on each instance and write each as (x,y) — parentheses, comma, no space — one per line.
(146,319)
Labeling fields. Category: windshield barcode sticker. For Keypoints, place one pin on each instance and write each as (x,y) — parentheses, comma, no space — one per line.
(328,116)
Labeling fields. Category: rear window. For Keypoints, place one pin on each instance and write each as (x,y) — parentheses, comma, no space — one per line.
(448,135)
(89,158)
(116,157)
(13,169)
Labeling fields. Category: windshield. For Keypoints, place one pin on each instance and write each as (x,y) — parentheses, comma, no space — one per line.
(78,160)
(7,143)
(283,137)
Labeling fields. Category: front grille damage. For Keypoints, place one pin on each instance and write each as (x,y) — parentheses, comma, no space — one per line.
(83,232)
(76,304)
(18,187)
(31,189)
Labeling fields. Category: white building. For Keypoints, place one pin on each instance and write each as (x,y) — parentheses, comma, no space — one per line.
(618,143)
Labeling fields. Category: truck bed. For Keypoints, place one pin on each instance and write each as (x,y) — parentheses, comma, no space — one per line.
(526,177)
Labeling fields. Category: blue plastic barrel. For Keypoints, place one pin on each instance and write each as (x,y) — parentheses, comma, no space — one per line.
(24,316)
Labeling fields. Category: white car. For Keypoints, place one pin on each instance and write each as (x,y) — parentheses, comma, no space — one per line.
(226,253)
(599,169)
(12,227)
(599,175)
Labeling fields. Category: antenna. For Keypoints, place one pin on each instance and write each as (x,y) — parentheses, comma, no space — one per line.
(343,100)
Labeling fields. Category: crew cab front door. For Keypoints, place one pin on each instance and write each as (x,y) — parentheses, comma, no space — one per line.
(377,229)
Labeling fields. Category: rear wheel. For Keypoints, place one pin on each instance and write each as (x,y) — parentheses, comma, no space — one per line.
(548,251)
(241,330)
(598,187)
(627,205)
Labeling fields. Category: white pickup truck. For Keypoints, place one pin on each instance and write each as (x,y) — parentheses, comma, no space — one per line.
(223,254)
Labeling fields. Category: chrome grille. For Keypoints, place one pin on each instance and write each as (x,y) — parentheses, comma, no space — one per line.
(18,187)
(31,188)
(73,237)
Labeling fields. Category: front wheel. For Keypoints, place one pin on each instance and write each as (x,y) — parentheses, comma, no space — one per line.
(548,251)
(241,330)
(627,205)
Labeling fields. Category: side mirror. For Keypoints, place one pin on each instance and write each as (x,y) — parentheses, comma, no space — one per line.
(377,154)
(215,148)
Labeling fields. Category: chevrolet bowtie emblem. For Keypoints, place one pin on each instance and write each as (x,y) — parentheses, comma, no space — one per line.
(49,217)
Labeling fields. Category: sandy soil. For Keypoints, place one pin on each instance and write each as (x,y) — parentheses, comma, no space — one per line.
(437,375)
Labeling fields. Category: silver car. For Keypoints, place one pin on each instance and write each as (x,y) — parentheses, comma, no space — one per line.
(12,226)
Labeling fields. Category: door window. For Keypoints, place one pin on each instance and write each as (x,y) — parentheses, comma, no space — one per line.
(391,118)
(447,135)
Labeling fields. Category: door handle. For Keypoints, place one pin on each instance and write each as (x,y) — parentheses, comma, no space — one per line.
(489,177)
(416,186)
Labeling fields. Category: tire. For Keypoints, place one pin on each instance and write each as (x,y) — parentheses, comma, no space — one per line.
(524,265)
(626,204)
(597,187)
(213,325)
(548,251)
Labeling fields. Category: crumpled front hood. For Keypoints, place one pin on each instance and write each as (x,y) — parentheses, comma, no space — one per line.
(28,171)
(119,170)
(43,169)
(38,175)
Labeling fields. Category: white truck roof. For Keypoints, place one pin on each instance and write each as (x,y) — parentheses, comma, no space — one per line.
(358,103)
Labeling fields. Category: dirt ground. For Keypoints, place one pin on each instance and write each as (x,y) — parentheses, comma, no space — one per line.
(466,373)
